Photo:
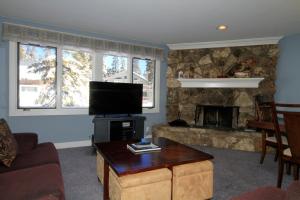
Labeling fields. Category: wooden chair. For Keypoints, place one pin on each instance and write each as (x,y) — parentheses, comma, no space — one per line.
(264,113)
(292,128)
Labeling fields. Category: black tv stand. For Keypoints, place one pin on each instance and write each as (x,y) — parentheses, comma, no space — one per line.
(115,116)
(110,128)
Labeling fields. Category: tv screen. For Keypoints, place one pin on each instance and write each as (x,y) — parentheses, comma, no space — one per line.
(115,98)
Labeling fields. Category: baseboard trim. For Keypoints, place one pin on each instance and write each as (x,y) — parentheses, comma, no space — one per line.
(65,145)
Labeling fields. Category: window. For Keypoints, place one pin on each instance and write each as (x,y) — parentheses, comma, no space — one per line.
(54,80)
(143,71)
(115,69)
(76,74)
(36,76)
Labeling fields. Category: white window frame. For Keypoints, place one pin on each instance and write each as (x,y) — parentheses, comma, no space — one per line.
(96,76)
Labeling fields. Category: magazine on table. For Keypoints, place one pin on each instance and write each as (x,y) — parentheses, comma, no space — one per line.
(143,147)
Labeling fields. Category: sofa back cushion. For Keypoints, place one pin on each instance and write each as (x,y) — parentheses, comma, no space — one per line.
(8,144)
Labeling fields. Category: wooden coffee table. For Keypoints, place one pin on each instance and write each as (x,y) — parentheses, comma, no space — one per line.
(124,162)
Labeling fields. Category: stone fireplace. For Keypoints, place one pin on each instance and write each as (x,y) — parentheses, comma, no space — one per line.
(216,116)
(255,61)
(207,110)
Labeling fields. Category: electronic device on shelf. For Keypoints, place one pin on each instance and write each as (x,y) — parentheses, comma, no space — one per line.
(107,98)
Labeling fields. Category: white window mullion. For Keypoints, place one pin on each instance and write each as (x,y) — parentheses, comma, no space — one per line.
(97,69)
(130,69)
(13,78)
(59,78)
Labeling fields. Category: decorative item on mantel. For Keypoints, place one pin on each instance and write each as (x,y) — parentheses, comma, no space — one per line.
(180,74)
(178,121)
(245,74)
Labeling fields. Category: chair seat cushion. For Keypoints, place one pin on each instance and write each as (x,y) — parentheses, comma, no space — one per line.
(263,193)
(273,139)
(287,152)
(44,153)
(41,182)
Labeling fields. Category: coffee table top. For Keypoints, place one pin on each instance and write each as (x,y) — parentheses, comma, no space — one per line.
(124,162)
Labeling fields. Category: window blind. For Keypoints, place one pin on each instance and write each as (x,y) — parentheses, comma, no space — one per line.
(22,33)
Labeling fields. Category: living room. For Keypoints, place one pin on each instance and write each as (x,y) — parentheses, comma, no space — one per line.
(192,57)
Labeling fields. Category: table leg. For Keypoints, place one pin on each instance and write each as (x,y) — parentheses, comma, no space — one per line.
(106,181)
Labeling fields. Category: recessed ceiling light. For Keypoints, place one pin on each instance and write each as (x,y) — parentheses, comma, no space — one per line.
(222,27)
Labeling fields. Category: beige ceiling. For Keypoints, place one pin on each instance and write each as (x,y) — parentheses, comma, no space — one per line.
(163,21)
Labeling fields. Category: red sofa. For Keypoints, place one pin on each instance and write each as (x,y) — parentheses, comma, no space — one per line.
(272,193)
(35,174)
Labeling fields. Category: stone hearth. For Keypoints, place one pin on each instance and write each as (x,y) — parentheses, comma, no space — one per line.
(238,140)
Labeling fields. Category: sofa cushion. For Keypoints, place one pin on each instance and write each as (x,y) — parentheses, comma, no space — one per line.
(36,183)
(8,144)
(26,141)
(44,153)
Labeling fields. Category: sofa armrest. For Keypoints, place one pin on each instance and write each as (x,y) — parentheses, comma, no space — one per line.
(26,141)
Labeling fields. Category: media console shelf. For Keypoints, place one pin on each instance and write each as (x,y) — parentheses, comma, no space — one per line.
(118,128)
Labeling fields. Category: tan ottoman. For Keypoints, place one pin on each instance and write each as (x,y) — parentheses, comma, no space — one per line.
(193,181)
(149,185)
(100,167)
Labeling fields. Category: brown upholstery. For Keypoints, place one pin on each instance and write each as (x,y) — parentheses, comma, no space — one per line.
(26,141)
(149,185)
(40,182)
(100,167)
(44,153)
(34,174)
(272,193)
(293,191)
(193,181)
(263,193)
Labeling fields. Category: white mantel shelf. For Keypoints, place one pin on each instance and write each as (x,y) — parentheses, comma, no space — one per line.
(220,82)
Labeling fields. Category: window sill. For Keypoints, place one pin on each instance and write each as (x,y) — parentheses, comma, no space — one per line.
(53,112)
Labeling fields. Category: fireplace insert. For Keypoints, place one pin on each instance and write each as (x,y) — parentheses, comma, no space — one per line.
(217,116)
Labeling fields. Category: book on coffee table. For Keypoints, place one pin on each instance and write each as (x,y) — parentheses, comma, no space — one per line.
(143,148)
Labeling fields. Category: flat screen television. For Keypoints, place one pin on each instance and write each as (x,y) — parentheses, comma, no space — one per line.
(115,98)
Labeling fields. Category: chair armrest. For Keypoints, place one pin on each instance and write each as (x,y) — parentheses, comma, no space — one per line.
(26,141)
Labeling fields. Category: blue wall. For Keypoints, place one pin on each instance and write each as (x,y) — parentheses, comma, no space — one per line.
(64,128)
(288,70)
